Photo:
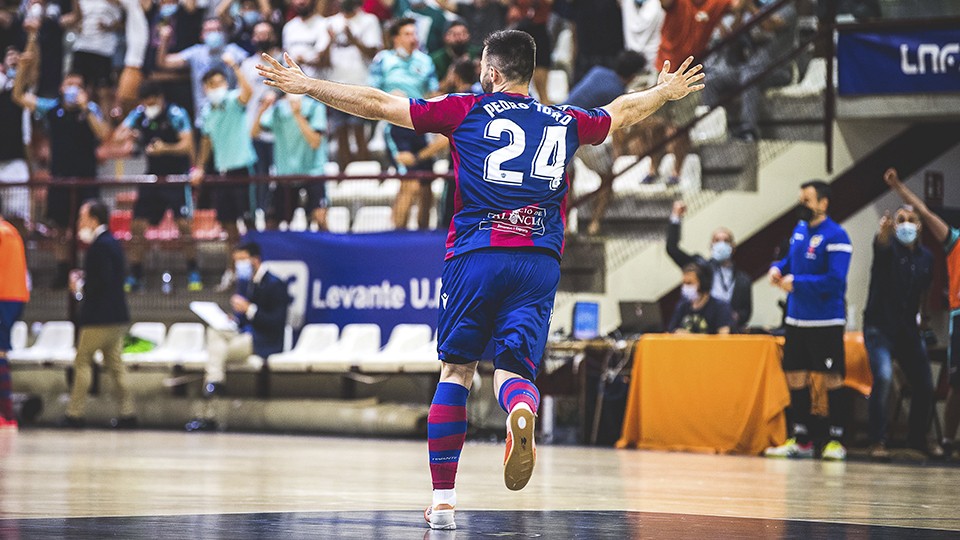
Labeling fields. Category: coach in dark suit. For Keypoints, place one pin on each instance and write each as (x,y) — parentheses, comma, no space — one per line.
(260,310)
(104,317)
(729,284)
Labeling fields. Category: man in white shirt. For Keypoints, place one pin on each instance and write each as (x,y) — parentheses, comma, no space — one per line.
(93,50)
(305,35)
(642,20)
(355,38)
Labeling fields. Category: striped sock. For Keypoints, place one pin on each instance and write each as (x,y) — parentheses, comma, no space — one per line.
(6,404)
(446,429)
(517,390)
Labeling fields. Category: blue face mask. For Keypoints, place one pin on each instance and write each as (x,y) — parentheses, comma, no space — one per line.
(168,10)
(214,40)
(907,233)
(721,251)
(251,18)
(11,74)
(244,270)
(70,94)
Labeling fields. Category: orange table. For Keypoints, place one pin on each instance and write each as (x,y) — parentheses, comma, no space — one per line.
(723,394)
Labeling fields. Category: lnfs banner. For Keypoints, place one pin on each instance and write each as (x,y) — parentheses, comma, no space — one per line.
(898,62)
(386,279)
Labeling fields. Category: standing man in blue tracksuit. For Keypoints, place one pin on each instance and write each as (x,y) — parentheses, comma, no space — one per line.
(814,274)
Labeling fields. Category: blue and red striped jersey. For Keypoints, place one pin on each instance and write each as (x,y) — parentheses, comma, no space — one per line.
(510,155)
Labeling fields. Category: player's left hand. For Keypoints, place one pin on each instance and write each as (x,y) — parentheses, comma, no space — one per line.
(681,82)
(787,283)
(291,80)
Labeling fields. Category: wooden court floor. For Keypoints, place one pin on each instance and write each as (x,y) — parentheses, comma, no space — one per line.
(154,484)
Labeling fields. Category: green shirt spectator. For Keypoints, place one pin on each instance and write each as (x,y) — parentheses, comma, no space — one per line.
(226,125)
(297,124)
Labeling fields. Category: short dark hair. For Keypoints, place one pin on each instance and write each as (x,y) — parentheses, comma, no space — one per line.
(629,63)
(252,248)
(822,188)
(465,69)
(150,89)
(394,29)
(75,74)
(704,275)
(98,210)
(211,73)
(513,53)
(454,23)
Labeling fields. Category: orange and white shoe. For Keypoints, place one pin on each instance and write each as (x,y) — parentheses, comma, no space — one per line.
(440,517)
(521,452)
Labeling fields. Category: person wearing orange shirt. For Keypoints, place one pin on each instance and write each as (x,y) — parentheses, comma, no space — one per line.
(13,295)
(949,237)
(686,31)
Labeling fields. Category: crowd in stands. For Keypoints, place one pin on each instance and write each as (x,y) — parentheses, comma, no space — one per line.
(175,81)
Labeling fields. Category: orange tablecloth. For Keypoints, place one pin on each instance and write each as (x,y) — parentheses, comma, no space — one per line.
(706,393)
(716,393)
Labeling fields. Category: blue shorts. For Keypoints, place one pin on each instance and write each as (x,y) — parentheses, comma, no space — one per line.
(9,314)
(506,295)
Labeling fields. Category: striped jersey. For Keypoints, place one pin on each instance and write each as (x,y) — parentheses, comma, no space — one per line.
(819,259)
(509,155)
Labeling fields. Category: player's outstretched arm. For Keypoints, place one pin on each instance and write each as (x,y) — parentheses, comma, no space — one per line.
(629,109)
(362,101)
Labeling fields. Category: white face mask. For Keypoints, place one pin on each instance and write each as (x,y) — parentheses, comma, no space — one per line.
(152,111)
(86,235)
(721,251)
(244,270)
(217,95)
(689,292)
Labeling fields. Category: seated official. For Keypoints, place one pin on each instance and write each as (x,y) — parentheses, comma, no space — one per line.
(699,312)
(260,310)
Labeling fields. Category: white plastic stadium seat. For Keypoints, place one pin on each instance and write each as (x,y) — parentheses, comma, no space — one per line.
(373,219)
(18,336)
(711,127)
(813,84)
(314,338)
(338,219)
(184,345)
(54,344)
(408,350)
(356,341)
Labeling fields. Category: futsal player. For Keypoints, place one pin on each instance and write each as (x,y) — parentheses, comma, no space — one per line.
(505,242)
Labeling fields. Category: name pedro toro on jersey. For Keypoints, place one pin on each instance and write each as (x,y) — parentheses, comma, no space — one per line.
(527,221)
(494,108)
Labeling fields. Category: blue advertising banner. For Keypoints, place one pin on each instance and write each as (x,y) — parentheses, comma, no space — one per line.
(898,62)
(385,278)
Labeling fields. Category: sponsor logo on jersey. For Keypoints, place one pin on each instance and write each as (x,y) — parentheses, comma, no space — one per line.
(527,221)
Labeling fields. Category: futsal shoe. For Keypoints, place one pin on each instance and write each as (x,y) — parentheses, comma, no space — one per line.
(834,451)
(521,452)
(790,449)
(440,517)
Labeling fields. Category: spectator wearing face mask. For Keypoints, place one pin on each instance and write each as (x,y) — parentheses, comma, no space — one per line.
(240,21)
(76,127)
(728,283)
(456,46)
(899,278)
(162,131)
(201,58)
(698,311)
(227,135)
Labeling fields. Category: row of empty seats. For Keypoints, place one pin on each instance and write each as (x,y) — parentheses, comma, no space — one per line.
(412,348)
